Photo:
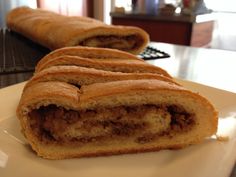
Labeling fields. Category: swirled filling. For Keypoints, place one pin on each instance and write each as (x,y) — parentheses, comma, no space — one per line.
(141,124)
(116,42)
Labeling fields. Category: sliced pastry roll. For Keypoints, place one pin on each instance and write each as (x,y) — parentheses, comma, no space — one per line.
(61,120)
(55,31)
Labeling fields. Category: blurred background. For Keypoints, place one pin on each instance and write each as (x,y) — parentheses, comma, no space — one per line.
(197,23)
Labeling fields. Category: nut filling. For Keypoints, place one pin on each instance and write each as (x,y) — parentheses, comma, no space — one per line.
(115,42)
(142,124)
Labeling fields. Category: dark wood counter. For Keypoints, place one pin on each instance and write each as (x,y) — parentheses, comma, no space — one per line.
(173,28)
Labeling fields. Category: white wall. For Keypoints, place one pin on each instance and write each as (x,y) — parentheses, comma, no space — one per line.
(224,36)
(102,10)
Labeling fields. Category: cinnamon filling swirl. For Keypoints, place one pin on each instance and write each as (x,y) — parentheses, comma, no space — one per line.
(142,124)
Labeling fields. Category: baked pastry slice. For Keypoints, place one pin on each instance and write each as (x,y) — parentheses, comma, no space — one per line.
(63,121)
(56,31)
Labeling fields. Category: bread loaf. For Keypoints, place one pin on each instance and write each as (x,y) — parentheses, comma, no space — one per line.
(56,31)
(62,121)
(69,111)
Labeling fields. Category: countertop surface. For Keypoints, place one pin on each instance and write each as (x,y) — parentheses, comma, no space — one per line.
(210,67)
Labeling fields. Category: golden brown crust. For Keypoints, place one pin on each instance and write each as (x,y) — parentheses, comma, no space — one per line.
(104,64)
(56,31)
(87,53)
(115,65)
(127,93)
(84,76)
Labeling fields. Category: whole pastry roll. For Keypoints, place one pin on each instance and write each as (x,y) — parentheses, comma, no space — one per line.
(55,31)
(61,120)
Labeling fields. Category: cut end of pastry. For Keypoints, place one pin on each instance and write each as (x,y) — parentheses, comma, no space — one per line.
(129,39)
(139,116)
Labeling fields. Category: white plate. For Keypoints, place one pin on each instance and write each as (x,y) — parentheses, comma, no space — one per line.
(211,158)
